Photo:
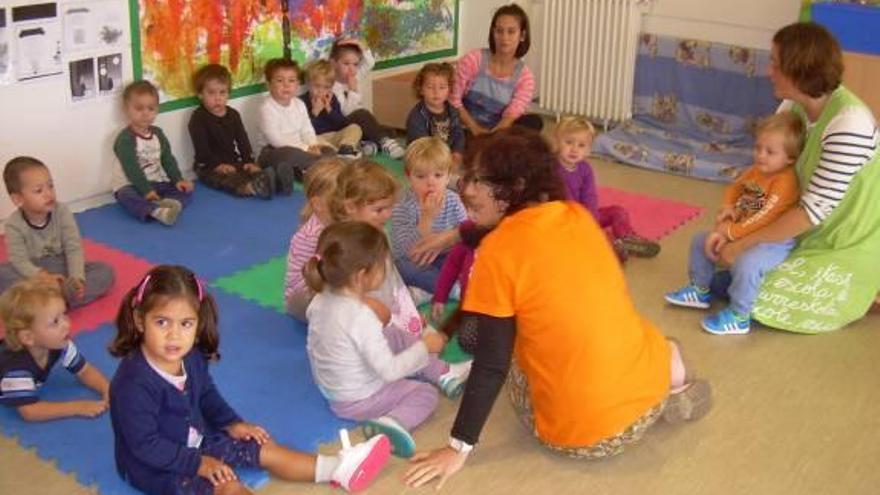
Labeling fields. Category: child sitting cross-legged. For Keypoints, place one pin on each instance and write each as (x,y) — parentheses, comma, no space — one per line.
(331,126)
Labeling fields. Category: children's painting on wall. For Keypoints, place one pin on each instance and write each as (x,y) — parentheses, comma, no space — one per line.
(177,37)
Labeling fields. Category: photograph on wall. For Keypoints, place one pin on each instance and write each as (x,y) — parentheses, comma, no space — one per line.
(174,39)
(94,25)
(110,74)
(38,40)
(5,51)
(82,79)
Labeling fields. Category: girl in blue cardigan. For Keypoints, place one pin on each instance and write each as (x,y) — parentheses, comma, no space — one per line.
(174,433)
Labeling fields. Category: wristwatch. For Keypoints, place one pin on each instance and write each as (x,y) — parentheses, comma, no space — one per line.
(460,446)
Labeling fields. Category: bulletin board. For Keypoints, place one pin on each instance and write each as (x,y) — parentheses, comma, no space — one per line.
(173,38)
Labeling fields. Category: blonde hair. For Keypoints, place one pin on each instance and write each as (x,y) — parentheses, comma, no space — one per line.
(344,249)
(320,69)
(428,153)
(320,180)
(361,182)
(574,123)
(790,126)
(19,305)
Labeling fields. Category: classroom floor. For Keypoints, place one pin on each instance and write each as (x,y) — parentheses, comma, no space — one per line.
(793,414)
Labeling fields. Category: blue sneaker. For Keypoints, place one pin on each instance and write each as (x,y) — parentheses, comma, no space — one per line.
(727,322)
(403,444)
(690,296)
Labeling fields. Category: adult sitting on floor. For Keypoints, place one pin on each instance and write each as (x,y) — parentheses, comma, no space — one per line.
(590,375)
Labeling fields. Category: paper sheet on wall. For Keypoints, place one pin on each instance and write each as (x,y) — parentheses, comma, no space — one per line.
(6,76)
(94,25)
(37,35)
(95,77)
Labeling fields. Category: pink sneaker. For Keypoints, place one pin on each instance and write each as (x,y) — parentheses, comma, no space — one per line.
(359,464)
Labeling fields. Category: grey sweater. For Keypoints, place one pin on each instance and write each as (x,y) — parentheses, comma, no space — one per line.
(26,243)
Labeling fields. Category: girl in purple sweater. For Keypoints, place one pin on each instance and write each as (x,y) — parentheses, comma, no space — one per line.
(574,138)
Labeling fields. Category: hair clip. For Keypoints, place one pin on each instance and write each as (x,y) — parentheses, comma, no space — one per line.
(318,257)
(200,290)
(139,295)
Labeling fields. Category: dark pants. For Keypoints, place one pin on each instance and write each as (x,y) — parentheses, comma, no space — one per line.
(140,207)
(286,156)
(99,278)
(531,121)
(372,129)
(233,183)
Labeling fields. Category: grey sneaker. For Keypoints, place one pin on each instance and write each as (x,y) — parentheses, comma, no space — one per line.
(392,148)
(369,148)
(167,210)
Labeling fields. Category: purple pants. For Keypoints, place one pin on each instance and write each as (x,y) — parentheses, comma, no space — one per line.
(616,219)
(139,207)
(408,401)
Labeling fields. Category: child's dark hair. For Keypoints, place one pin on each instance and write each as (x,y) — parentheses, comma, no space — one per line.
(277,64)
(513,10)
(344,249)
(158,286)
(139,88)
(339,49)
(211,72)
(443,69)
(15,167)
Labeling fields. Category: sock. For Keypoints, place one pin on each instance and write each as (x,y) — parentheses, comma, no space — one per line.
(325,465)
(701,290)
(458,369)
(739,316)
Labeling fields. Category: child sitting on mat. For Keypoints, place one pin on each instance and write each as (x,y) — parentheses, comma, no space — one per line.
(319,185)
(38,337)
(174,432)
(574,138)
(362,368)
(757,198)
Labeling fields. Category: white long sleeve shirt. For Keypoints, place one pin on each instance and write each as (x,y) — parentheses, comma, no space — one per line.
(286,126)
(350,358)
(353,100)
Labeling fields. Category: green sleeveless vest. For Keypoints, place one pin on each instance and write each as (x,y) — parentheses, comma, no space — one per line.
(833,275)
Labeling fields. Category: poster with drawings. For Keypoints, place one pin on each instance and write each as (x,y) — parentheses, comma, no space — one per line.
(82,79)
(5,51)
(94,25)
(37,36)
(93,77)
(109,74)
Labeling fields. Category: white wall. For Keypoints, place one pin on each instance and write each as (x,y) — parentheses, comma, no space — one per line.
(748,23)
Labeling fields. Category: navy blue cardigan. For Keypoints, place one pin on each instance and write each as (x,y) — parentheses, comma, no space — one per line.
(151,420)
(328,120)
(418,125)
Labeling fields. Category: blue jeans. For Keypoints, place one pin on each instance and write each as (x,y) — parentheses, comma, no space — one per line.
(140,207)
(747,271)
(423,277)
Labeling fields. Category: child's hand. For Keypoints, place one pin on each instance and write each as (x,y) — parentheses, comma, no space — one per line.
(223,169)
(252,167)
(314,149)
(317,104)
(215,471)
(184,186)
(90,408)
(437,311)
(79,287)
(726,214)
(381,310)
(247,431)
(431,203)
(152,196)
(715,242)
(434,341)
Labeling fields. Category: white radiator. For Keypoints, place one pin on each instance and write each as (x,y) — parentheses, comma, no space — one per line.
(588,54)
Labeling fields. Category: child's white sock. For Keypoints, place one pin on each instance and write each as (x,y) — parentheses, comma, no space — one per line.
(325,466)
(457,370)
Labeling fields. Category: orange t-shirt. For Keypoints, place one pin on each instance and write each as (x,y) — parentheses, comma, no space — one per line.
(759,199)
(593,364)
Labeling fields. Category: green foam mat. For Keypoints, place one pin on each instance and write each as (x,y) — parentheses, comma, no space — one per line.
(262,283)
(452,353)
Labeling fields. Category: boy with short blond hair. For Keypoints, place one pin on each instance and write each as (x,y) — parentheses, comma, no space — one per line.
(325,112)
(428,208)
(42,238)
(37,337)
(223,156)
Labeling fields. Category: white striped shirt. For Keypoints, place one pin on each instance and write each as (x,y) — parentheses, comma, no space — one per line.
(849,142)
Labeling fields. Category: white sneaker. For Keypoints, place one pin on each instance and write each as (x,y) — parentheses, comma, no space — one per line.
(392,148)
(359,464)
(453,381)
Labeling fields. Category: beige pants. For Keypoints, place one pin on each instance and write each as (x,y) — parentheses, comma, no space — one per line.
(350,135)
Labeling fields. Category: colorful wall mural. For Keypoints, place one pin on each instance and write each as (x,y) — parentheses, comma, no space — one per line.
(172,38)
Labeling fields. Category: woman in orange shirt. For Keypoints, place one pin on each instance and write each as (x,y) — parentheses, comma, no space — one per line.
(546,292)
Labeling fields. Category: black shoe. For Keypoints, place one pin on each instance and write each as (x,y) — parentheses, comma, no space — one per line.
(348,152)
(285,174)
(264,184)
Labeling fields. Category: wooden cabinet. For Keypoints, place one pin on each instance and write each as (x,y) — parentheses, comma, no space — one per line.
(861,74)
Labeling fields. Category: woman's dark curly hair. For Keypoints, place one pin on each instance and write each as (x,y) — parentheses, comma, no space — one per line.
(519,166)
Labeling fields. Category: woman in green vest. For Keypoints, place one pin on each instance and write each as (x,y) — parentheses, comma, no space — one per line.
(833,275)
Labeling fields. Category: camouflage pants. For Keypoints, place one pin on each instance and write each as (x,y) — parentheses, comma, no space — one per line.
(518,388)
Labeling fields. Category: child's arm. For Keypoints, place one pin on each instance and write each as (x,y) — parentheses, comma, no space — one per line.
(47,411)
(404,225)
(72,244)
(242,141)
(16,248)
(169,164)
(374,349)
(214,408)
(93,378)
(782,193)
(449,273)
(589,195)
(416,126)
(201,140)
(124,148)
(307,130)
(382,312)
(456,135)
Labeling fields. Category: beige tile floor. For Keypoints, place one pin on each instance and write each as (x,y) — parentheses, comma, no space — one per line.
(793,414)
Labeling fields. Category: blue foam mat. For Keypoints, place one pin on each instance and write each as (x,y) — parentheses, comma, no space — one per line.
(216,235)
(264,374)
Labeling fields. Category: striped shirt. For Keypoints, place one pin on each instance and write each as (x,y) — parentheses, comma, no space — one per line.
(405,219)
(303,246)
(466,72)
(21,377)
(850,140)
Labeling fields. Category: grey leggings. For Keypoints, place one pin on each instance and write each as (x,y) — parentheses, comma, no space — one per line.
(99,278)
